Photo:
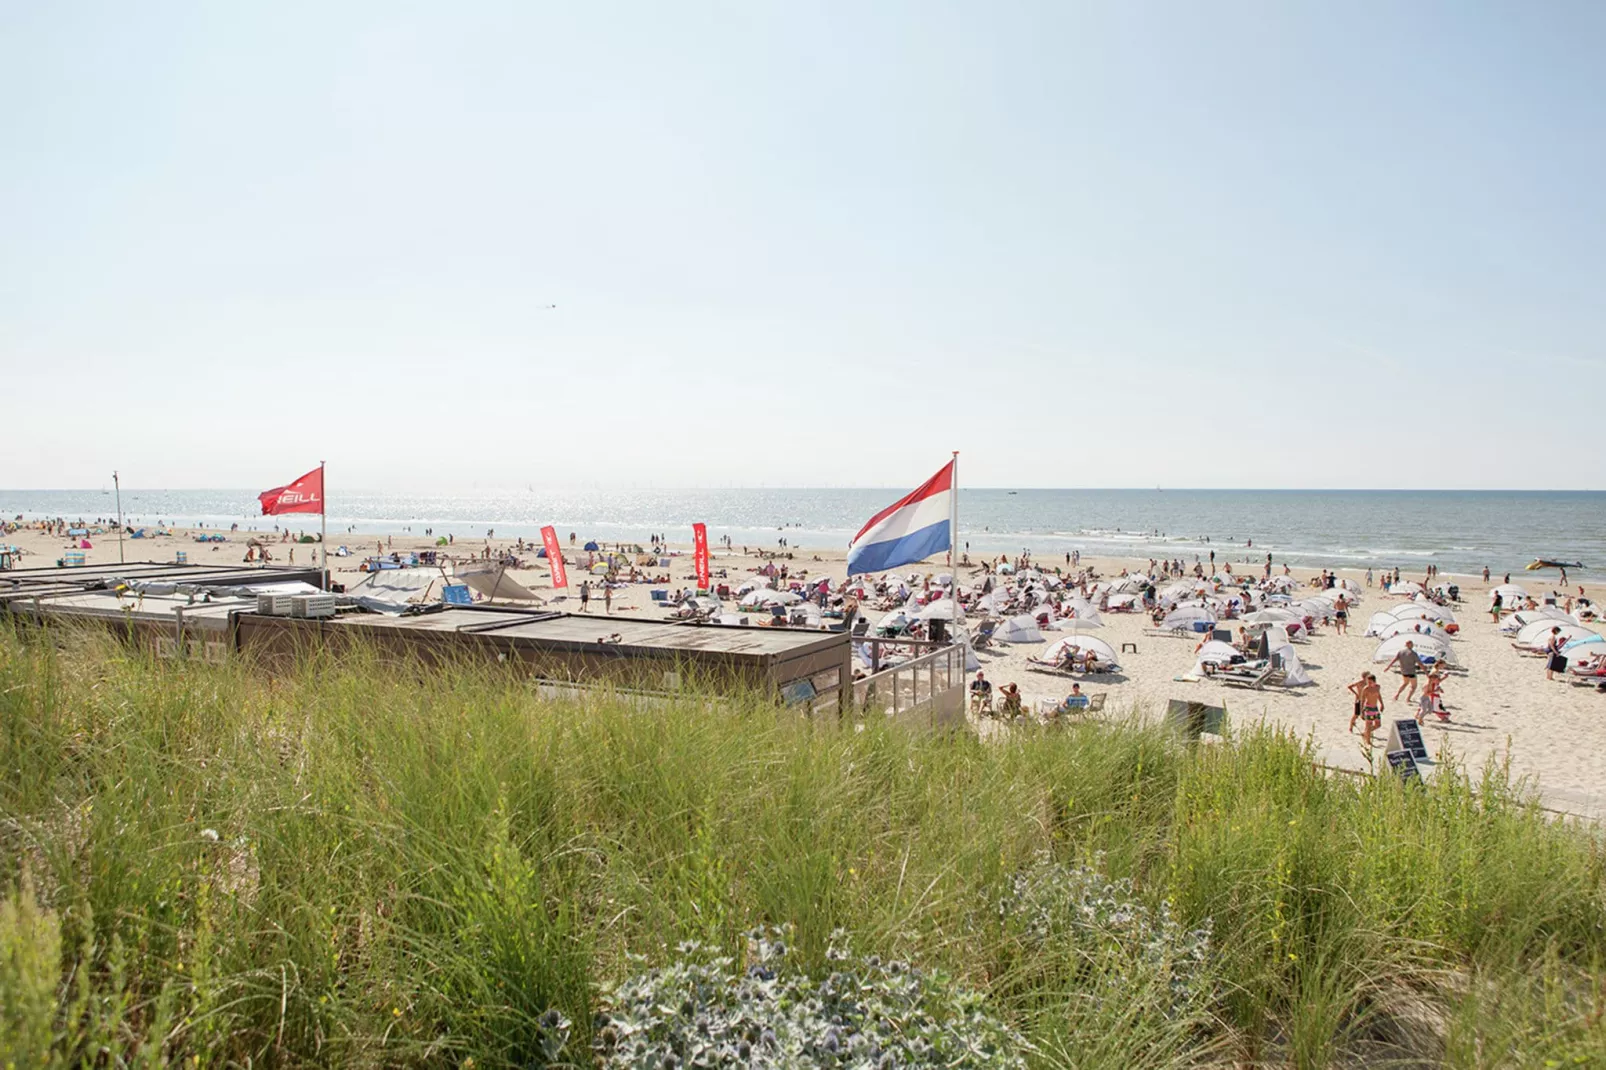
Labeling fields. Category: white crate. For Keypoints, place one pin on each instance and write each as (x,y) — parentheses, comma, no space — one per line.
(312,605)
(274,605)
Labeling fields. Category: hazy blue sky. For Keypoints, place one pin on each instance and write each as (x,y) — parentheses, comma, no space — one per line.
(1125,244)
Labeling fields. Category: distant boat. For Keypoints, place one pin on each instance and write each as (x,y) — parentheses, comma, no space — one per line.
(1545,563)
(1013,492)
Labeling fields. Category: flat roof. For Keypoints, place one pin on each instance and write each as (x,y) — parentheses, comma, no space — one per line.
(152,607)
(210,575)
(584,630)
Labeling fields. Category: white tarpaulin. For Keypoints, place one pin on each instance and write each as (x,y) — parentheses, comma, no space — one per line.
(396,590)
(491,580)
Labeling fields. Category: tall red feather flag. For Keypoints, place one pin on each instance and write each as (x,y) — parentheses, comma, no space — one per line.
(554,556)
(699,543)
(305,495)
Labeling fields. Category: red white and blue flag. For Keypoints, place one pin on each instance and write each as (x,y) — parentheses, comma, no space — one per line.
(910,529)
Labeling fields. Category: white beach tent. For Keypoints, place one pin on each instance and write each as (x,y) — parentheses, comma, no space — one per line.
(1379,621)
(941,609)
(1406,587)
(1021,629)
(1217,652)
(1271,616)
(1413,627)
(1294,674)
(1413,610)
(1508,592)
(1085,643)
(1184,616)
(1425,645)
(1536,636)
(1519,620)
(767,597)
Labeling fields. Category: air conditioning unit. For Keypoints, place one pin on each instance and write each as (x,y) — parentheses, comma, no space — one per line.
(312,605)
(274,605)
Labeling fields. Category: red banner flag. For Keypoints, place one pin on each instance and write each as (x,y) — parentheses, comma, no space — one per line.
(305,495)
(699,542)
(554,556)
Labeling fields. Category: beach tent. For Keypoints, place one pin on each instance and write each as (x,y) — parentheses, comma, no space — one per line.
(1076,624)
(1120,601)
(1379,621)
(1217,652)
(1508,592)
(1414,610)
(1021,629)
(1294,674)
(941,609)
(1589,644)
(1185,616)
(767,597)
(1426,646)
(1519,620)
(592,546)
(1413,627)
(1271,616)
(1406,587)
(1086,643)
(1536,636)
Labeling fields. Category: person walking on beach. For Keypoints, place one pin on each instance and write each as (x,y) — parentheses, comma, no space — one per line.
(607,597)
(1341,615)
(1355,689)
(1371,696)
(1432,699)
(1495,606)
(1409,662)
(585,596)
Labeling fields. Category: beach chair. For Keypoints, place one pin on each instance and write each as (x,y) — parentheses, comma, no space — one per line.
(984,634)
(981,702)
(1254,680)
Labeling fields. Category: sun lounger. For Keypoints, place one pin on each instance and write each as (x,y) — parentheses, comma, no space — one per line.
(984,634)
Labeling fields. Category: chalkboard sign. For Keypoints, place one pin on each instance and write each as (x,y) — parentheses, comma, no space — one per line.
(1404,766)
(1406,735)
(1193,719)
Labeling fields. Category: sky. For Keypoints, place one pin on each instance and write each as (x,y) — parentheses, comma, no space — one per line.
(776,244)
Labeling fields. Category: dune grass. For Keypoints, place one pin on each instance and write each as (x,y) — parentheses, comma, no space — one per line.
(351,864)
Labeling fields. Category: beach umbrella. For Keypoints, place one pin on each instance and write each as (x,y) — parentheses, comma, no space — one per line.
(1085,643)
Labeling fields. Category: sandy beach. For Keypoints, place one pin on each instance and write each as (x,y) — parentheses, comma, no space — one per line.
(1502,708)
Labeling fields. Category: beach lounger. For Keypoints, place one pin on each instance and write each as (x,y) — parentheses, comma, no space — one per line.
(984,634)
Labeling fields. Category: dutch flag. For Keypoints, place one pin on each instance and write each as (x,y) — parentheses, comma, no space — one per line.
(910,529)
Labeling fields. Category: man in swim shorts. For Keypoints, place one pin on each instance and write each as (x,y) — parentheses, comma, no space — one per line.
(1409,663)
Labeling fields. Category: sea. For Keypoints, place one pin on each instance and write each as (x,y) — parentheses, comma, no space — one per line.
(1459,531)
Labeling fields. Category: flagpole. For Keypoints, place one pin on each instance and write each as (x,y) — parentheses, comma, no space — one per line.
(323,536)
(953,521)
(118,484)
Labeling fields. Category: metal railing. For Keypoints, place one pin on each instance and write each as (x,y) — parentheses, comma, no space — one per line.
(920,684)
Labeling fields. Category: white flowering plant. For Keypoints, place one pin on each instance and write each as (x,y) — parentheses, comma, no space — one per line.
(865,1014)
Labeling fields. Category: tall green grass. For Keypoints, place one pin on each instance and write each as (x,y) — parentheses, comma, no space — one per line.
(353,863)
